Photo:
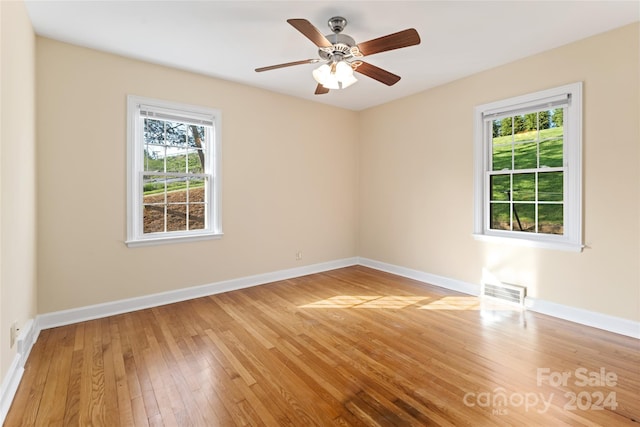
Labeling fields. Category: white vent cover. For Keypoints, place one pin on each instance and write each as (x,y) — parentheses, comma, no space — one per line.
(505,292)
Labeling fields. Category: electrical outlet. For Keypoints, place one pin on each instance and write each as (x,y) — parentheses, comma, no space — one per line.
(298,255)
(13,333)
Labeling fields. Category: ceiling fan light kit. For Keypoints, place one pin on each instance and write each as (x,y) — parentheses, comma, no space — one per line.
(338,75)
(340,55)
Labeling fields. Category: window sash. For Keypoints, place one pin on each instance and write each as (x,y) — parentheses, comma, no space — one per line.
(489,172)
(206,203)
(536,202)
(207,176)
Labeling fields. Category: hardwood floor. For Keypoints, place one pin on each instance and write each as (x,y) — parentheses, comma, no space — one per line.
(352,346)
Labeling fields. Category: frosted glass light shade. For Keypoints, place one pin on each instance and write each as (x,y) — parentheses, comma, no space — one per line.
(321,73)
(348,81)
(341,77)
(343,71)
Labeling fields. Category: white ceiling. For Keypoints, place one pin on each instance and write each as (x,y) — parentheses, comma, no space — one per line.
(229,39)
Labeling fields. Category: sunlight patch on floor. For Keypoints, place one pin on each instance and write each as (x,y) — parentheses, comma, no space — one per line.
(484,305)
(418,301)
(368,301)
(453,303)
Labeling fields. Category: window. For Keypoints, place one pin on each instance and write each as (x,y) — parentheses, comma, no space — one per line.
(528,162)
(173,172)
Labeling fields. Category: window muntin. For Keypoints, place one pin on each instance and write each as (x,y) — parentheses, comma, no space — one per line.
(528,169)
(173,173)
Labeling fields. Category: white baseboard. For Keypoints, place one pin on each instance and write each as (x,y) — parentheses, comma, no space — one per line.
(27,338)
(24,343)
(81,314)
(432,279)
(585,317)
(10,386)
(605,322)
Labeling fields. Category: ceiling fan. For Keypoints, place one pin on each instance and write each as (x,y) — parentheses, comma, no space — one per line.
(341,56)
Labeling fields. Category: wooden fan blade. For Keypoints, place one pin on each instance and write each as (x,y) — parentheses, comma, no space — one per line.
(377,73)
(321,90)
(397,40)
(309,31)
(287,64)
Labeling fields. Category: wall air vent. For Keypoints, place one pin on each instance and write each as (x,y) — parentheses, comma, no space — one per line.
(513,294)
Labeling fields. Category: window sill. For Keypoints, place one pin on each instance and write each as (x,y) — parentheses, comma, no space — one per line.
(531,243)
(171,239)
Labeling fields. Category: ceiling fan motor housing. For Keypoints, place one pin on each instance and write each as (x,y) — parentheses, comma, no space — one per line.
(342,45)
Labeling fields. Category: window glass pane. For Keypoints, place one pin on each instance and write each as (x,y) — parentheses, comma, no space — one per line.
(154,158)
(518,124)
(506,126)
(501,144)
(176,160)
(496,131)
(524,217)
(500,187)
(154,189)
(179,193)
(196,216)
(524,187)
(500,216)
(551,139)
(196,190)
(551,148)
(544,119)
(550,218)
(550,186)
(176,134)
(196,154)
(195,160)
(525,154)
(531,121)
(153,131)
(153,184)
(153,218)
(557,118)
(197,206)
(501,157)
(176,217)
(196,136)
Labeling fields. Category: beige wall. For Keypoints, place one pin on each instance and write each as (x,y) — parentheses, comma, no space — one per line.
(416,179)
(288,183)
(287,186)
(17,175)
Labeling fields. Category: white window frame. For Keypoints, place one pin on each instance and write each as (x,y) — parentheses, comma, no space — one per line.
(571,239)
(135,170)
